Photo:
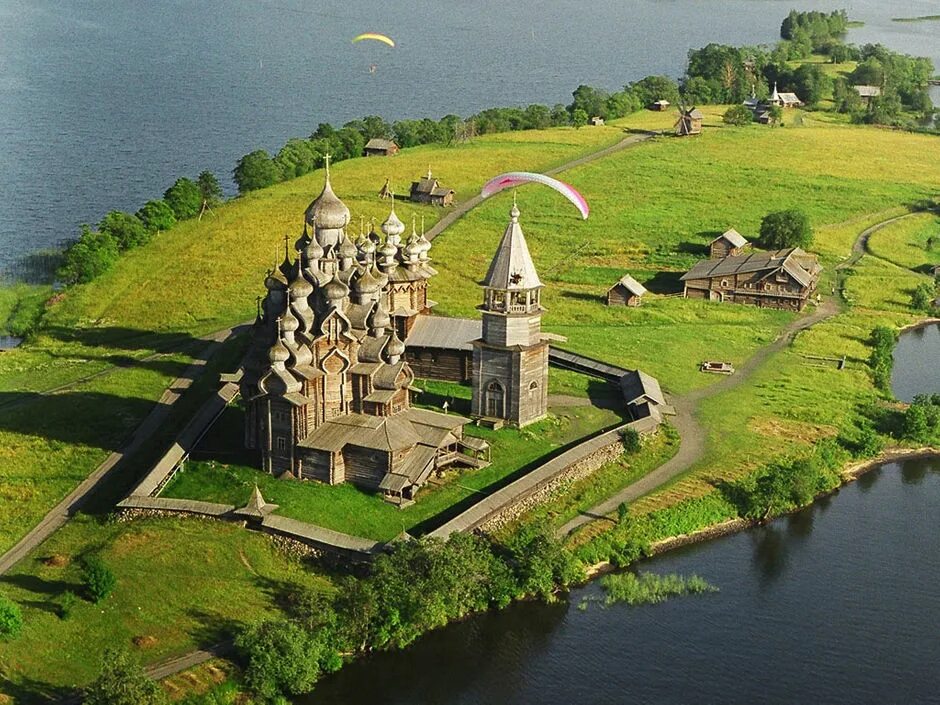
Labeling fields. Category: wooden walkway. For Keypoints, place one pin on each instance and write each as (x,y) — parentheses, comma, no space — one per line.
(585,365)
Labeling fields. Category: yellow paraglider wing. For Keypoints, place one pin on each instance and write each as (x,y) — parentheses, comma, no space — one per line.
(376,36)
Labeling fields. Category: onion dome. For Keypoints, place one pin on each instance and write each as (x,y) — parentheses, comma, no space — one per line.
(379,318)
(275,281)
(347,249)
(313,251)
(388,250)
(278,352)
(303,240)
(412,249)
(393,227)
(367,247)
(326,210)
(395,347)
(368,283)
(299,287)
(289,322)
(335,289)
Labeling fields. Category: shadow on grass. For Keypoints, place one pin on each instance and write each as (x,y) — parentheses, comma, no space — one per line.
(212,628)
(582,296)
(40,586)
(28,690)
(664,283)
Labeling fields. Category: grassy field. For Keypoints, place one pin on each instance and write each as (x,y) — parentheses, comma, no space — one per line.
(905,243)
(350,510)
(165,600)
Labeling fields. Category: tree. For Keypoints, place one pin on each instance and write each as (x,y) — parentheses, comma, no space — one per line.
(560,116)
(122,681)
(782,229)
(652,88)
(98,578)
(738,115)
(923,297)
(256,170)
(579,117)
(280,658)
(11,619)
(156,215)
(184,198)
(91,255)
(127,230)
(297,157)
(776,114)
(592,101)
(209,188)
(810,83)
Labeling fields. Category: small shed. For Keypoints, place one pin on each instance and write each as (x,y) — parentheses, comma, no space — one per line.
(867,92)
(597,121)
(729,244)
(429,190)
(659,105)
(626,292)
(689,122)
(378,147)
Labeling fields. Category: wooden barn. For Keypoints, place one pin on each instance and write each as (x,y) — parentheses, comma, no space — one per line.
(689,122)
(659,105)
(378,147)
(730,243)
(429,190)
(626,292)
(782,279)
(596,121)
(442,348)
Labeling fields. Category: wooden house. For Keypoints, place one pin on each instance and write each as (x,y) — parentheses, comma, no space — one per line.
(659,105)
(729,244)
(867,93)
(689,122)
(442,348)
(429,190)
(784,100)
(626,292)
(782,279)
(596,121)
(378,147)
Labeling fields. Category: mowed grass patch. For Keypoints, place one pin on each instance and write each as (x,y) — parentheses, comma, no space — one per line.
(358,512)
(184,583)
(913,243)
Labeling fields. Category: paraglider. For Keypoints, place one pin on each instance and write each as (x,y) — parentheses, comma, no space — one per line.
(375,36)
(517,178)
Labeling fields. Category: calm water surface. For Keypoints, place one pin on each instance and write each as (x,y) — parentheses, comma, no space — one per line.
(103,103)
(836,604)
(917,363)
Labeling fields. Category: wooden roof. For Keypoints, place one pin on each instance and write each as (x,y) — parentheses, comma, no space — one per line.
(444,333)
(733,236)
(512,267)
(379,143)
(631,285)
(792,261)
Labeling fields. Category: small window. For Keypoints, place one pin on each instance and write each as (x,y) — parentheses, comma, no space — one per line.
(281,443)
(533,386)
(768,287)
(724,283)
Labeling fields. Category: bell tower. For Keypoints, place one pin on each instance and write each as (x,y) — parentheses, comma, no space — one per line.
(510,361)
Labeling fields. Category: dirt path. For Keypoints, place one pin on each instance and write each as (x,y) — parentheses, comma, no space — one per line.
(65,509)
(692,435)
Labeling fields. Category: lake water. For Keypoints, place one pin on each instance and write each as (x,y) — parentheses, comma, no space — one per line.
(917,363)
(103,103)
(836,604)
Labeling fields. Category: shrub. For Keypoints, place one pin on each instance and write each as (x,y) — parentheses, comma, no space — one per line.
(90,256)
(67,604)
(922,419)
(156,215)
(184,198)
(127,230)
(11,619)
(281,658)
(923,297)
(122,681)
(631,440)
(738,115)
(255,170)
(98,578)
(788,228)
(881,359)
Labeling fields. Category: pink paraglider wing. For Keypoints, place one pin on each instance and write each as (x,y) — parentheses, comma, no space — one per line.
(515,178)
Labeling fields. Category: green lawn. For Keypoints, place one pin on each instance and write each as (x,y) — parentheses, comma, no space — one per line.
(905,243)
(183,582)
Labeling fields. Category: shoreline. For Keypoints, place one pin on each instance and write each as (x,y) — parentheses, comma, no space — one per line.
(728,527)
(924,323)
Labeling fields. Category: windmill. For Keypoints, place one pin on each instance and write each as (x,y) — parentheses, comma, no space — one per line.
(690,120)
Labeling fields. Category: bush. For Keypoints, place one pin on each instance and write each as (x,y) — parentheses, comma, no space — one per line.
(11,619)
(631,440)
(255,170)
(67,604)
(922,419)
(97,578)
(157,215)
(738,115)
(281,658)
(90,256)
(127,230)
(923,297)
(881,360)
(122,681)
(783,229)
(184,198)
